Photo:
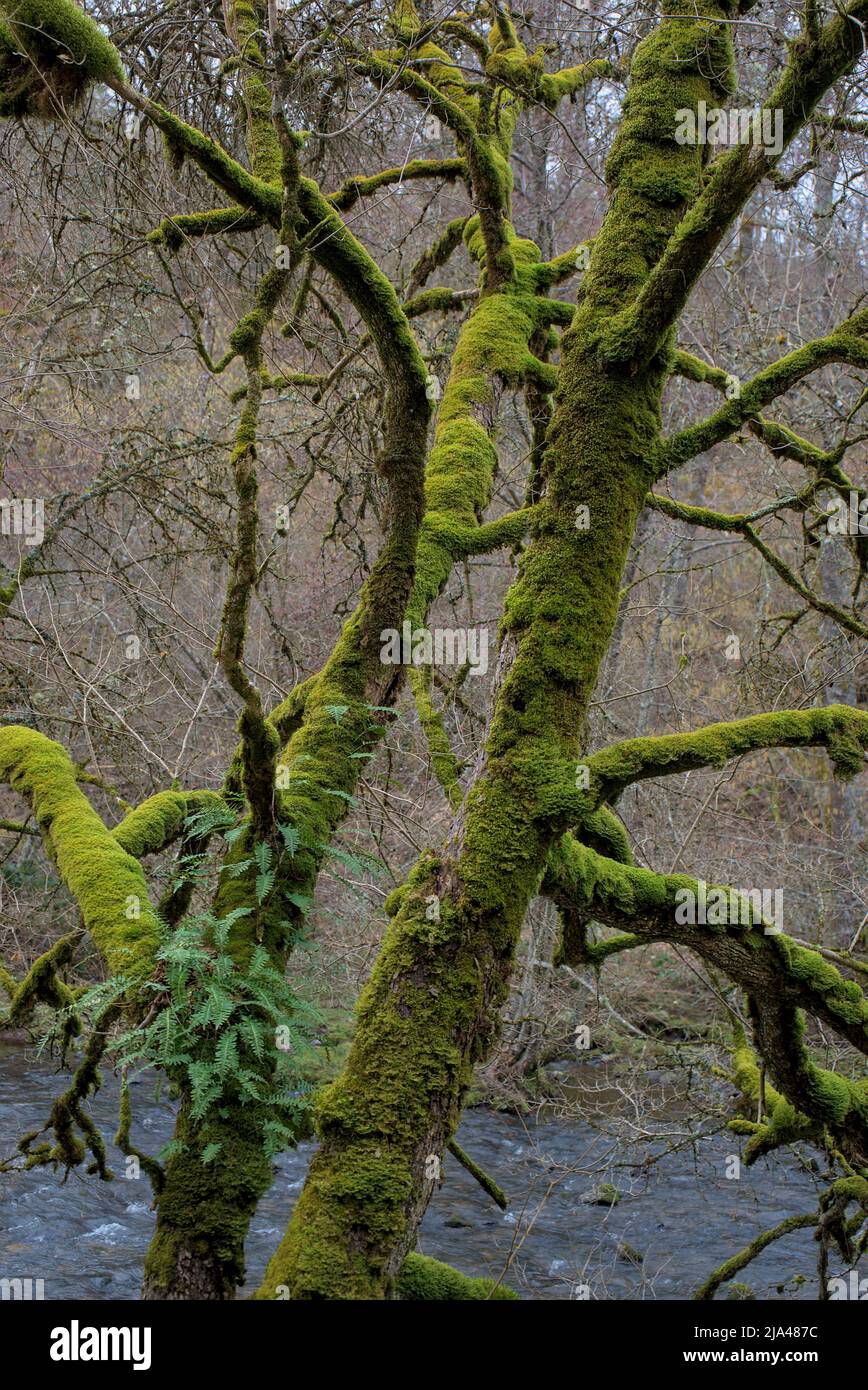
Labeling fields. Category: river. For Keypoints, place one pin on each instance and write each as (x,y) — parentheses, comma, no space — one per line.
(676,1219)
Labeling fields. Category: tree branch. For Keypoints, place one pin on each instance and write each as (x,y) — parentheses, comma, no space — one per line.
(842,731)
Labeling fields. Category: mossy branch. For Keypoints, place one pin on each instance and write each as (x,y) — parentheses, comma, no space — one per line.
(507,530)
(777,1121)
(436,255)
(106,882)
(741,524)
(32,562)
(727,521)
(790,578)
(42,985)
(848,343)
(454,114)
(154,1169)
(495,1192)
(363,185)
(258,742)
(446,766)
(51,52)
(604,832)
(157,822)
(174,231)
(523,74)
(850,125)
(781,978)
(425,1279)
(840,729)
(780,439)
(637,333)
(75,1133)
(245,25)
(739,1261)
(187,142)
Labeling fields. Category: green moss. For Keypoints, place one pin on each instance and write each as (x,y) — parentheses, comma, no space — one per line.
(247,334)
(263,147)
(841,730)
(739,1261)
(405,20)
(683,46)
(422,1278)
(174,231)
(828,1099)
(843,999)
(50,53)
(736,1291)
(186,142)
(782,1123)
(42,985)
(106,882)
(204,1210)
(362,186)
(640,332)
(438,253)
(430,1008)
(846,343)
(324,756)
(152,826)
(599,888)
(652,177)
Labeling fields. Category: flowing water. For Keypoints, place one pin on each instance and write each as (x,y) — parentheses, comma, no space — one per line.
(676,1220)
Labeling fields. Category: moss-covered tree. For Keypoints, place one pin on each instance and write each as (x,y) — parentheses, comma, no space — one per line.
(592,372)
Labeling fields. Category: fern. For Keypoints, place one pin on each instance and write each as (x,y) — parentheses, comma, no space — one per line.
(202,1086)
(260,963)
(208,820)
(358,863)
(214,1030)
(223,925)
(251,1085)
(226,1056)
(236,868)
(264,885)
(278,1136)
(215,1009)
(345,796)
(291,838)
(171,1150)
(252,1035)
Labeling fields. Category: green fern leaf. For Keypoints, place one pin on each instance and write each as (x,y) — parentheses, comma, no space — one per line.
(291,838)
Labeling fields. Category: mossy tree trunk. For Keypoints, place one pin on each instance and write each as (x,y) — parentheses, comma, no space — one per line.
(430,1010)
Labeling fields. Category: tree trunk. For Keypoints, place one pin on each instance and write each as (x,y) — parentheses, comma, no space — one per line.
(431,1008)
